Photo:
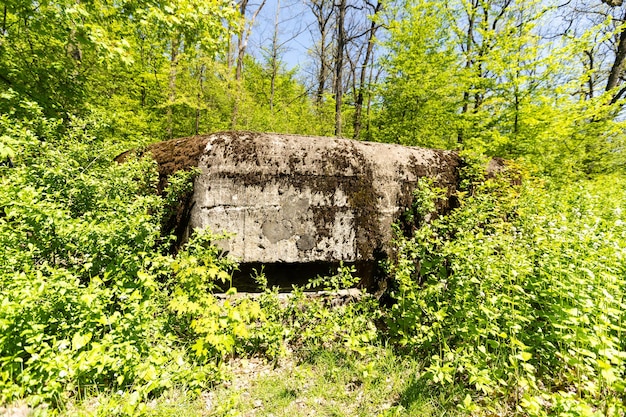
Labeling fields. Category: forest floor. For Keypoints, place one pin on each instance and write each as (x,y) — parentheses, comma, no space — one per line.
(306,383)
(319,383)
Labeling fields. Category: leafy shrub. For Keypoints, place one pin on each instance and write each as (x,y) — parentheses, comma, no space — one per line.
(76,231)
(91,301)
(318,322)
(519,295)
(216,329)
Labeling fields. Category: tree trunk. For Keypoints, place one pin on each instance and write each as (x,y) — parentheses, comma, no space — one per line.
(241,42)
(241,50)
(199,97)
(4,21)
(242,45)
(372,81)
(274,58)
(172,85)
(618,64)
(469,62)
(590,81)
(358,104)
(323,14)
(323,71)
(341,43)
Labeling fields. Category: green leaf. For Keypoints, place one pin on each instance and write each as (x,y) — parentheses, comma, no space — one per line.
(80,340)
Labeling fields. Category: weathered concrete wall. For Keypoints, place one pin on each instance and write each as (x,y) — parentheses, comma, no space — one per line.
(302,200)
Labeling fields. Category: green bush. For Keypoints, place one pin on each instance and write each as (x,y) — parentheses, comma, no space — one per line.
(91,300)
(518,295)
(77,307)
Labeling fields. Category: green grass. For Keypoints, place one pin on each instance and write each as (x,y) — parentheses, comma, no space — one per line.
(330,383)
(309,382)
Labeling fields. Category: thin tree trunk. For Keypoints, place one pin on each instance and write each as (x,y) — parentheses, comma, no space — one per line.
(590,81)
(274,58)
(323,74)
(242,44)
(618,64)
(4,20)
(358,104)
(199,97)
(469,43)
(372,81)
(341,42)
(241,50)
(172,85)
(322,14)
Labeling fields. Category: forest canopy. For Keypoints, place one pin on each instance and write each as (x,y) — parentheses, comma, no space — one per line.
(531,79)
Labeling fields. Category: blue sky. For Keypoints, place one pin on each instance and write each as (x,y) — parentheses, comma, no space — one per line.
(293,31)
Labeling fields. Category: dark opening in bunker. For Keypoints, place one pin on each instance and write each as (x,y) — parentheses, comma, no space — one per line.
(286,275)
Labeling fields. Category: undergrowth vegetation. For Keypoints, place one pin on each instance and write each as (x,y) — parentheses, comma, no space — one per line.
(93,301)
(518,296)
(512,303)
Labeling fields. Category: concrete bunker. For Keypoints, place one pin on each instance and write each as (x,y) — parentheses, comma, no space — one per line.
(300,205)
